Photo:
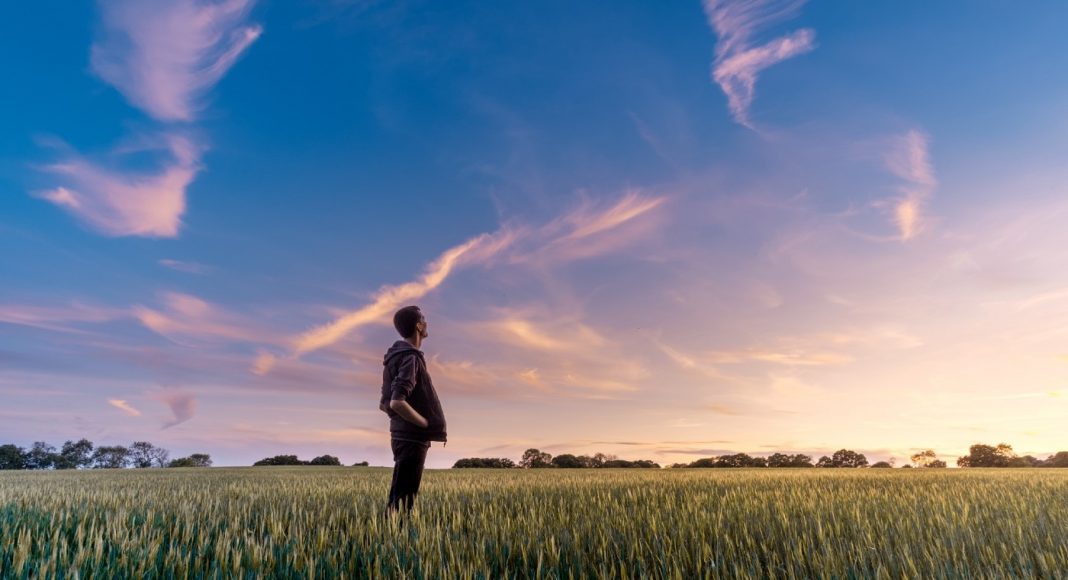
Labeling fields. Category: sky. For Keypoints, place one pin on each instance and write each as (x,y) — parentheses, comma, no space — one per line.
(660,230)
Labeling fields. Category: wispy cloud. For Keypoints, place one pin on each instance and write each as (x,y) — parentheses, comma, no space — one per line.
(57,318)
(909,160)
(164,55)
(124,407)
(389,298)
(185,316)
(120,203)
(181,266)
(738,63)
(576,234)
(183,406)
(524,330)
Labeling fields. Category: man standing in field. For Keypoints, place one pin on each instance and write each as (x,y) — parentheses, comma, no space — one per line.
(409,398)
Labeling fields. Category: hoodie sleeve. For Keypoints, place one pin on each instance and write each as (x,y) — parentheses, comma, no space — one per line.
(407,375)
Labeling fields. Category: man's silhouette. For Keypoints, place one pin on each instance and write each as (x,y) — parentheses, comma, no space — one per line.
(409,398)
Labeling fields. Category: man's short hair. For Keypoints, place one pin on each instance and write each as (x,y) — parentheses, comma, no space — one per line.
(405,320)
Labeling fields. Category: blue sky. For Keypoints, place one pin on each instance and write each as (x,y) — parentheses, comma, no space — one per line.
(664,230)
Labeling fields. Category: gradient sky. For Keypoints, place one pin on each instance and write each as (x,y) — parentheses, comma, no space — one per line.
(663,230)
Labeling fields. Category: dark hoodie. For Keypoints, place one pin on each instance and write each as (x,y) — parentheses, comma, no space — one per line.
(405,378)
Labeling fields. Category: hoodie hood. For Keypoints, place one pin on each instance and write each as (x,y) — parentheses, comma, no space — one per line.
(400,347)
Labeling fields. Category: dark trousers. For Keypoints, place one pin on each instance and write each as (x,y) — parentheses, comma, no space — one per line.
(408,459)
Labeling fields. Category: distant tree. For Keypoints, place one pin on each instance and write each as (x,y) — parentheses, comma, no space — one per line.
(740,460)
(1025,461)
(325,460)
(922,458)
(533,458)
(646,463)
(598,459)
(111,457)
(881,464)
(142,454)
(13,457)
(936,464)
(75,454)
(704,462)
(787,460)
(194,460)
(159,456)
(678,465)
(906,466)
(843,458)
(566,460)
(41,456)
(1059,459)
(280,460)
(485,462)
(980,455)
(585,460)
(360,464)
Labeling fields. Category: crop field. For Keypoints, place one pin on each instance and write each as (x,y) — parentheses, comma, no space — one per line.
(322,522)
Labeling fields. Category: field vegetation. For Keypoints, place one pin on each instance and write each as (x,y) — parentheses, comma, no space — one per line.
(320,522)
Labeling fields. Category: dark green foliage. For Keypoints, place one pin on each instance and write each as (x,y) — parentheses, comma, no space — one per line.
(881,465)
(12,457)
(980,455)
(325,460)
(843,458)
(492,462)
(1059,459)
(194,460)
(646,463)
(75,454)
(111,457)
(566,460)
(535,458)
(280,460)
(787,460)
(41,456)
(144,454)
(740,460)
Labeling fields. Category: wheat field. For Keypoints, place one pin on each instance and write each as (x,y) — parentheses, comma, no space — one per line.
(322,522)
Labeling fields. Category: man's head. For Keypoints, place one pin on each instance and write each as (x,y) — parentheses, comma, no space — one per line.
(409,322)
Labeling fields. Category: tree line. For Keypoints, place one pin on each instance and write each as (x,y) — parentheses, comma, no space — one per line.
(534,459)
(294,460)
(82,454)
(979,455)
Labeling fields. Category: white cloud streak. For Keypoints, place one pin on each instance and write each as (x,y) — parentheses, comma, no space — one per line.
(738,64)
(909,160)
(124,407)
(164,55)
(578,234)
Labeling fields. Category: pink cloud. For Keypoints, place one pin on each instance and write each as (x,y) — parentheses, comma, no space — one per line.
(124,407)
(185,316)
(164,55)
(738,64)
(909,160)
(118,203)
(182,405)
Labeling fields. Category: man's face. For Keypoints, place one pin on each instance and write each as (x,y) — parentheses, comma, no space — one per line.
(420,327)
